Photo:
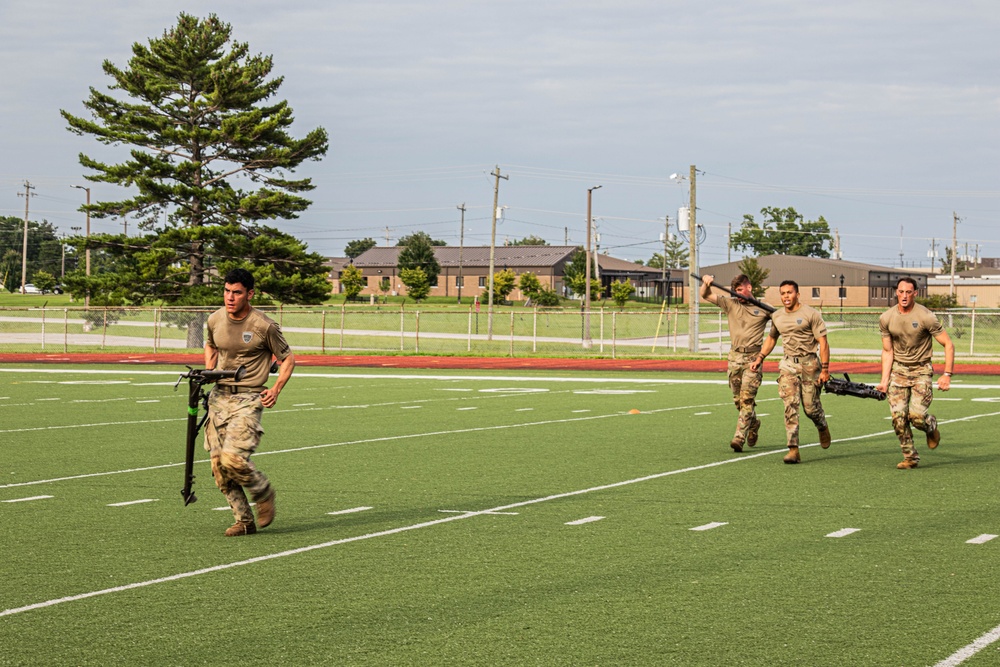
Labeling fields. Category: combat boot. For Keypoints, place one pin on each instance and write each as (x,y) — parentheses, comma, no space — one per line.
(736,444)
(241,528)
(906,464)
(754,432)
(792,456)
(265,510)
(933,438)
(824,438)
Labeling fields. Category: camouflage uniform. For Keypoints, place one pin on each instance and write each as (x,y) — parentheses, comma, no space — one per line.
(747,323)
(800,368)
(232,434)
(911,380)
(233,430)
(797,378)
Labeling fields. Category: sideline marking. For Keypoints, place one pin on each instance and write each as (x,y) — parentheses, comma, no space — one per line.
(580,522)
(700,414)
(710,526)
(350,511)
(473,511)
(844,532)
(966,652)
(133,502)
(982,539)
(24,500)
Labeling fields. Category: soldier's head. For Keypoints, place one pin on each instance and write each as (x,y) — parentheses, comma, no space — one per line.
(741,285)
(788,290)
(238,292)
(906,292)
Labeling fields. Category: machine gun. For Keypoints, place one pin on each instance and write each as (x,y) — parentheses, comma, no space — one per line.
(847,388)
(749,299)
(197,378)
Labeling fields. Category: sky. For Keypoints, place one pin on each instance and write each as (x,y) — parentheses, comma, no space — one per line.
(881,116)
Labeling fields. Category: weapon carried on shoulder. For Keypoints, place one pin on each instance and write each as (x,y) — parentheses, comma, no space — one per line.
(197,378)
(847,388)
(749,299)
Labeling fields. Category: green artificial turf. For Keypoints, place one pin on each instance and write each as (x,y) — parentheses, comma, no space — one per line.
(468,555)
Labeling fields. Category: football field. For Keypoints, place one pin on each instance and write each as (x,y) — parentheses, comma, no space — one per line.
(494,518)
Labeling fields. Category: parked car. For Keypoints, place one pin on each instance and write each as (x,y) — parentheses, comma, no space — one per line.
(31,289)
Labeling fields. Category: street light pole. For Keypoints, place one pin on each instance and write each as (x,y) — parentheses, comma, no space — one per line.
(587,343)
(461,244)
(841,297)
(86,296)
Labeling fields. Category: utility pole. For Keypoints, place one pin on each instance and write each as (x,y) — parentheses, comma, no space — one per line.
(461,245)
(693,283)
(565,235)
(587,342)
(836,245)
(86,297)
(901,265)
(663,264)
(387,230)
(954,249)
(493,246)
(729,242)
(28,187)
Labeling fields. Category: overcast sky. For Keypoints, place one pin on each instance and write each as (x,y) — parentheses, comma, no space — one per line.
(882,116)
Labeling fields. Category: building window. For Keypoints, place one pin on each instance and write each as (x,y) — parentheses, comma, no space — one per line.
(482,281)
(815,292)
(459,281)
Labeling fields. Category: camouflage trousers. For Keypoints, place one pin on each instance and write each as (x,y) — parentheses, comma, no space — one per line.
(797,386)
(232,434)
(911,389)
(744,383)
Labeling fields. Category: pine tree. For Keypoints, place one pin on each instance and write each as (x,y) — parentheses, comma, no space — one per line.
(209,146)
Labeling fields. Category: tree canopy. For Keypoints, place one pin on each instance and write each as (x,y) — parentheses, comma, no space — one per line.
(45,251)
(783,231)
(209,149)
(419,253)
(354,248)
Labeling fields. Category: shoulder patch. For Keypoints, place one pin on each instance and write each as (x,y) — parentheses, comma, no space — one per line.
(247,336)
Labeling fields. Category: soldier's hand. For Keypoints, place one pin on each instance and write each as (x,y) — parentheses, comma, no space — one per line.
(944,382)
(824,376)
(882,387)
(707,280)
(268,398)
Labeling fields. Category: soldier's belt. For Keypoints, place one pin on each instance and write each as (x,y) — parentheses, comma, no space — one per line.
(233,389)
(747,350)
(799,360)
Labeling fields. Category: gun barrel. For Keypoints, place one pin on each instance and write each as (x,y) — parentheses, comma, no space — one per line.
(760,304)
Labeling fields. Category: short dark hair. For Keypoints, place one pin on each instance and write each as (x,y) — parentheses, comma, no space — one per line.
(241,276)
(907,279)
(739,280)
(789,282)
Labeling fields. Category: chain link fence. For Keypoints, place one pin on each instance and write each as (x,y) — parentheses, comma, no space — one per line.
(509,332)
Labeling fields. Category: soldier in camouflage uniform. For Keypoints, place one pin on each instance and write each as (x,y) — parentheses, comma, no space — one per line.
(240,335)
(802,371)
(746,332)
(907,374)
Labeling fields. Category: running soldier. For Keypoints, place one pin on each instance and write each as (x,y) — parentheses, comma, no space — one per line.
(907,374)
(240,335)
(801,372)
(746,333)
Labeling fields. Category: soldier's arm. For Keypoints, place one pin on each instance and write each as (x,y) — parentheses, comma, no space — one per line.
(824,359)
(944,382)
(769,343)
(706,290)
(887,357)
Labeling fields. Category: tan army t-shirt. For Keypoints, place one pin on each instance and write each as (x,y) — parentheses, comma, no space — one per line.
(249,342)
(746,322)
(912,333)
(800,330)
